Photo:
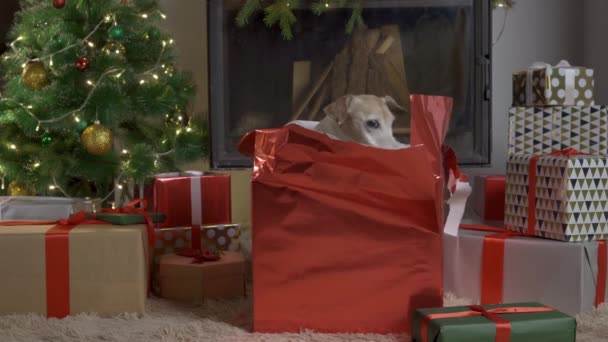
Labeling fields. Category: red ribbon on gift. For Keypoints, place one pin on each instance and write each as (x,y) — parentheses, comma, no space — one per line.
(503,326)
(57,254)
(493,262)
(532,183)
(199,256)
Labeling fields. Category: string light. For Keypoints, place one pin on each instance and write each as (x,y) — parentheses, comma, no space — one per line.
(144,15)
(162,15)
(12,146)
(89,82)
(76,118)
(2,183)
(52,187)
(37,127)
(125,151)
(37,164)
(90,44)
(119,186)
(142,81)
(155,76)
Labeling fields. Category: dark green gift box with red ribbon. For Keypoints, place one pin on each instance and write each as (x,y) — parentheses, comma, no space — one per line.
(522,322)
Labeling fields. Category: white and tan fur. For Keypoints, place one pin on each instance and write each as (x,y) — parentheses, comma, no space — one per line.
(366,119)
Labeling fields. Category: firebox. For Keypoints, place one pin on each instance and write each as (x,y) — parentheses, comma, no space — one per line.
(264,75)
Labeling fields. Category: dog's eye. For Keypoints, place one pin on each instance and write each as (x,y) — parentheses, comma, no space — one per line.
(375,124)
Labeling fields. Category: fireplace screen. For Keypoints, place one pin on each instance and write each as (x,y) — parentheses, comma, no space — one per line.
(260,79)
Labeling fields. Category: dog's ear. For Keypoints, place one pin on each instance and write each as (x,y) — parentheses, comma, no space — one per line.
(393,106)
(338,110)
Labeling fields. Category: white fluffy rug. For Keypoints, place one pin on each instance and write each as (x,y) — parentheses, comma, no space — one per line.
(214,321)
(228,321)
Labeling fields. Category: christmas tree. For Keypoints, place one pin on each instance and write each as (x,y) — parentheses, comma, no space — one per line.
(91,99)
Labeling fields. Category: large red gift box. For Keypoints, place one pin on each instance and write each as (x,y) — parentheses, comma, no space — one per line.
(191,199)
(346,237)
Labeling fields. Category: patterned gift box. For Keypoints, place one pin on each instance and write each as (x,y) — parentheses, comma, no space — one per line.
(553,86)
(569,194)
(541,130)
(215,238)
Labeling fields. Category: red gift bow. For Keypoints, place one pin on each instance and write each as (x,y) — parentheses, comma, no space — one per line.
(532,183)
(503,326)
(57,255)
(199,255)
(493,262)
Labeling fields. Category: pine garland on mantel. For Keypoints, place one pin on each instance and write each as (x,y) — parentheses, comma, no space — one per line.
(281,13)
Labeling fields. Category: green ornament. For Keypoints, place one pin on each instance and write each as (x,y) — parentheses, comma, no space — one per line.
(46,140)
(83,124)
(116,32)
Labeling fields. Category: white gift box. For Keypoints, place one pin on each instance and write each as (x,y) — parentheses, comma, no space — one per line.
(35,208)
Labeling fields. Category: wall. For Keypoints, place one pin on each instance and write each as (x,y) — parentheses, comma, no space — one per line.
(187,22)
(595,48)
(537,30)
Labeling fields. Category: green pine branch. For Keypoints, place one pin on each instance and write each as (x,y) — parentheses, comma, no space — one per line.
(281,12)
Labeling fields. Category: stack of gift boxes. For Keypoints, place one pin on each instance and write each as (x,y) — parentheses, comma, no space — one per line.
(198,223)
(555,201)
(183,246)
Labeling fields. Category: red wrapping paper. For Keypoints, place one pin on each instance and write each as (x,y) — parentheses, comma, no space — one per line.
(172,197)
(346,237)
(490,197)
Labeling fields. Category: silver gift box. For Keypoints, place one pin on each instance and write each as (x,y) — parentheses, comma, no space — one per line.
(35,208)
(559,274)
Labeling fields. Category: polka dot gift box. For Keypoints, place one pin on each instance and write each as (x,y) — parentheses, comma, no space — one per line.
(560,85)
(223,237)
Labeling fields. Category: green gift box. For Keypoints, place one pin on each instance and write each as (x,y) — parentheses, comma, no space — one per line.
(124,219)
(523,322)
(546,85)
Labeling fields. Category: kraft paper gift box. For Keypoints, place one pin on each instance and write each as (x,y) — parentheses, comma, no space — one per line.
(570,277)
(546,85)
(538,130)
(35,208)
(563,197)
(519,322)
(347,237)
(183,280)
(489,197)
(57,270)
(192,199)
(213,238)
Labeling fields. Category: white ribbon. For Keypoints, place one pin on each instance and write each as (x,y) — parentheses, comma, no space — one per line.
(179,174)
(196,200)
(457,203)
(570,74)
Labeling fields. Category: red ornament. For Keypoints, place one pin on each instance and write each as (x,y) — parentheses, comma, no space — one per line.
(82,63)
(58,3)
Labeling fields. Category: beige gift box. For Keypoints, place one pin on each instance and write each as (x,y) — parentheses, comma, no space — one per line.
(182,280)
(107,271)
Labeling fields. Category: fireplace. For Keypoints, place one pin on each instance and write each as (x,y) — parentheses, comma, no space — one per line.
(258,79)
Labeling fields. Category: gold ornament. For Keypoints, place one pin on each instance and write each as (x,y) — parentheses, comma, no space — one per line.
(97,139)
(35,75)
(115,49)
(16,188)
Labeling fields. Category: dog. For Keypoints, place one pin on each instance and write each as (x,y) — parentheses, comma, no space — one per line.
(366,119)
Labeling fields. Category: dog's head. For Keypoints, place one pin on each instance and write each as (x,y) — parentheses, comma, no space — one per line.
(366,119)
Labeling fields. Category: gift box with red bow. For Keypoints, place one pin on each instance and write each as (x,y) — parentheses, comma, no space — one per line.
(562,195)
(490,265)
(223,237)
(73,266)
(194,277)
(493,323)
(191,198)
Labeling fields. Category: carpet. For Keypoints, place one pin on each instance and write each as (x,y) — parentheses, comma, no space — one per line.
(221,321)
